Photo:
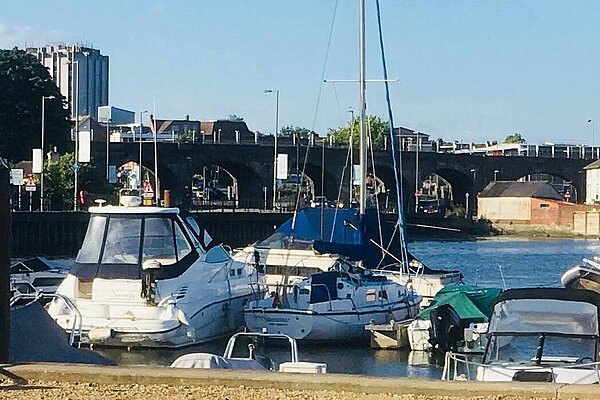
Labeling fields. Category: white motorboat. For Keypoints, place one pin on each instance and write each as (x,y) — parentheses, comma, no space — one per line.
(585,276)
(145,276)
(35,274)
(256,356)
(334,305)
(538,335)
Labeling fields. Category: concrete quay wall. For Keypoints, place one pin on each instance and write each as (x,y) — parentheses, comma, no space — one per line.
(348,386)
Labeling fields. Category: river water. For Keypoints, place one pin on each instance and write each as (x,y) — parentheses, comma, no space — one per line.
(498,262)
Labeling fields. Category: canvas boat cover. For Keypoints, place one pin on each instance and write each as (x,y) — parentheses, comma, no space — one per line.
(35,264)
(339,231)
(470,302)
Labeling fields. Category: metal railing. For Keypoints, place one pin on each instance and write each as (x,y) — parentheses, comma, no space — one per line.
(458,368)
(76,326)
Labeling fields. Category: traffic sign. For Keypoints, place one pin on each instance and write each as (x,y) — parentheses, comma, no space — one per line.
(16,176)
(148,191)
(30,188)
(75,167)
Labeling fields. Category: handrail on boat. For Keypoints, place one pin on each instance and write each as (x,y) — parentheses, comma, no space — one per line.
(231,343)
(328,292)
(77,326)
(452,361)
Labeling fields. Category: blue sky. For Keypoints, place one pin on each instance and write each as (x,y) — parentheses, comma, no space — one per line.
(467,70)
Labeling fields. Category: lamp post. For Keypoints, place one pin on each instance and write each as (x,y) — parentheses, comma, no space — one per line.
(76,115)
(474,172)
(108,121)
(593,136)
(141,137)
(496,174)
(416,172)
(276,91)
(44,98)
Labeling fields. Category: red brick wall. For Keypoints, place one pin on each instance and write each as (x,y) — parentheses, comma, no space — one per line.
(556,213)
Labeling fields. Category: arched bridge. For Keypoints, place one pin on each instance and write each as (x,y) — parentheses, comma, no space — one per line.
(252,166)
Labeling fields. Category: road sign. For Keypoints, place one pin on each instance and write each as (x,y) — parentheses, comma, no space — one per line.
(75,167)
(30,188)
(16,176)
(148,191)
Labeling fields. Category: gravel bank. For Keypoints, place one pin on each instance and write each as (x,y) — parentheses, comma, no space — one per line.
(78,382)
(83,391)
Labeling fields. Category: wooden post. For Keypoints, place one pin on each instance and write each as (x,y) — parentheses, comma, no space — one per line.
(167,198)
(4,263)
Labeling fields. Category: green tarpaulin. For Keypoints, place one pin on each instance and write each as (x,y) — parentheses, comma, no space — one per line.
(469,302)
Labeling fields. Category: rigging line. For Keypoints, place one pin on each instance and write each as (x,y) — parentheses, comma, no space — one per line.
(337,101)
(339,195)
(324,70)
(375,189)
(397,163)
(335,7)
(375,182)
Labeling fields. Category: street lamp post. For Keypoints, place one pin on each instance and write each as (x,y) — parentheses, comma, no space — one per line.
(141,137)
(108,121)
(44,98)
(276,91)
(416,172)
(76,112)
(593,137)
(496,174)
(474,172)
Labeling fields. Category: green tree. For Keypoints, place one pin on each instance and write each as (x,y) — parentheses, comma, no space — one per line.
(514,138)
(59,181)
(233,117)
(289,131)
(377,128)
(24,81)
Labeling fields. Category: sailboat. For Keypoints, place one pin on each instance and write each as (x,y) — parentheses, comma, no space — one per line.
(316,240)
(337,304)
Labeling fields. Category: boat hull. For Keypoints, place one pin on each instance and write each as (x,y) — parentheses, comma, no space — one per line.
(323,324)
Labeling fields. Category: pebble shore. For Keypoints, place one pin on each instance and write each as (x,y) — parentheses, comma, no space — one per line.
(48,390)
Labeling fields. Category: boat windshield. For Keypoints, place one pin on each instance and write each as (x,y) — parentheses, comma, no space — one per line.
(163,240)
(536,316)
(279,240)
(540,349)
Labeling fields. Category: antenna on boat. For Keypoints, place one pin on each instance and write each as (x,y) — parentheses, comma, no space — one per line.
(502,276)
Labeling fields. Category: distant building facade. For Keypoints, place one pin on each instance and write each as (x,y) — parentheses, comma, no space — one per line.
(509,203)
(592,183)
(78,71)
(115,115)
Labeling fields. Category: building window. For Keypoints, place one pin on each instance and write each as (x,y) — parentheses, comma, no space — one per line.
(544,205)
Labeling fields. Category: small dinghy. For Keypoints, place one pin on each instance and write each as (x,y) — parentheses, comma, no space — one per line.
(255,343)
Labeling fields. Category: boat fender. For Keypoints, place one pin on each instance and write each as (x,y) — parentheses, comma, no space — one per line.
(182,317)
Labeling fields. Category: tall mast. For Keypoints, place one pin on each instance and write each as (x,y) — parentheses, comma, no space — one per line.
(363,106)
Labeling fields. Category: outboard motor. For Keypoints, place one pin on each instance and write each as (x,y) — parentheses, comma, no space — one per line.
(149,269)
